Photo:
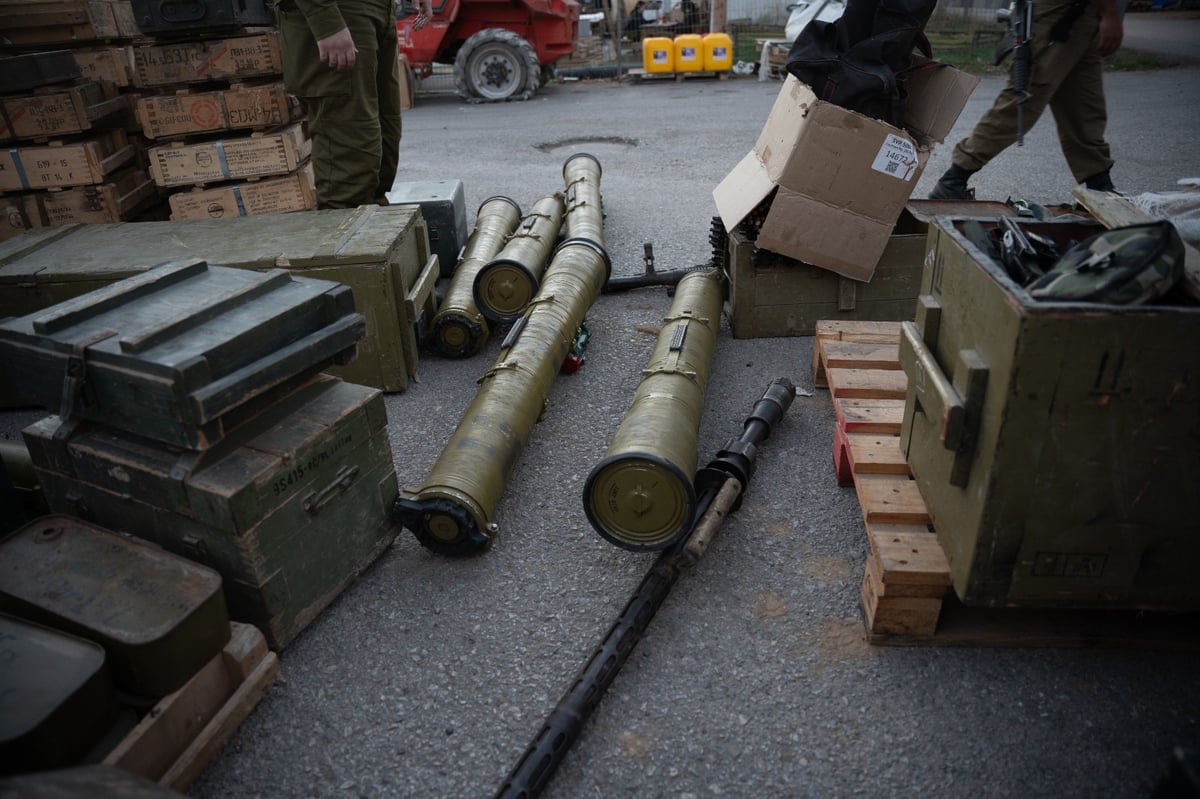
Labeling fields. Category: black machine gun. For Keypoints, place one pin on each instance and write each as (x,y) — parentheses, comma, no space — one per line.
(1019,42)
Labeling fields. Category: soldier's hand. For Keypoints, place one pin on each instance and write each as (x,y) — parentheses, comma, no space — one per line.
(1111,32)
(424,14)
(338,50)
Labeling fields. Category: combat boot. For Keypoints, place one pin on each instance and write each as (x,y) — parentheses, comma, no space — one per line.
(1101,181)
(953,185)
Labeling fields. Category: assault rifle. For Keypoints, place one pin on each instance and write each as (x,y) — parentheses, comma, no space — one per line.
(1019,16)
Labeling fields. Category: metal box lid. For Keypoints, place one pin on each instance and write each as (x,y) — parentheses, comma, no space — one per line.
(169,352)
(159,616)
(56,695)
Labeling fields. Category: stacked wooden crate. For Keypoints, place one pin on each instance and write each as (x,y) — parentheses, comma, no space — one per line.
(203,116)
(68,155)
(227,138)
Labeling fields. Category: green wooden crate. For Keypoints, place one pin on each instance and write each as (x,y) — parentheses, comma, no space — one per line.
(1055,444)
(381,253)
(772,295)
(181,353)
(289,510)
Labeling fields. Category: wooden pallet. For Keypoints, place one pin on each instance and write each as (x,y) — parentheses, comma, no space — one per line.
(174,742)
(906,596)
(639,75)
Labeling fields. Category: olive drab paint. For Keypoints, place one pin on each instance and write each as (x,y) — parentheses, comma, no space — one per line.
(505,285)
(452,512)
(640,496)
(459,328)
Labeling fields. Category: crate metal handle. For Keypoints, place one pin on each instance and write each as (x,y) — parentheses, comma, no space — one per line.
(956,412)
(316,500)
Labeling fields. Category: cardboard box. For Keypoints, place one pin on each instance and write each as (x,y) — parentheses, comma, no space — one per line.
(256,155)
(408,88)
(839,180)
(79,163)
(281,195)
(239,107)
(71,109)
(206,60)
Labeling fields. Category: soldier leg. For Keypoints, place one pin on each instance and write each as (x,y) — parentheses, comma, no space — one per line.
(388,92)
(1081,115)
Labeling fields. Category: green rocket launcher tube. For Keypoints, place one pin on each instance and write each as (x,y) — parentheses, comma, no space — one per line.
(640,496)
(584,206)
(452,512)
(459,329)
(504,286)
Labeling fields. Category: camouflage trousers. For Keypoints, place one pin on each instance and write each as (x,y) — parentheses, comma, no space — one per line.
(353,116)
(1067,76)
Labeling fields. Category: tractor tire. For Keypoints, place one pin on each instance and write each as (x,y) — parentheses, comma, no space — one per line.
(496,65)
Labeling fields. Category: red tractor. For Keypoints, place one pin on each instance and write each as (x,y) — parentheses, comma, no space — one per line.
(501,49)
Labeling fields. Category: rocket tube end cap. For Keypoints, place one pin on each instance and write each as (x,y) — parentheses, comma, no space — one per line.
(639,501)
(457,335)
(503,288)
(442,526)
(571,158)
(500,198)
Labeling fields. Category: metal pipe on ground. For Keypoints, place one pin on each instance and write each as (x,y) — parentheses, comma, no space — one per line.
(459,328)
(640,495)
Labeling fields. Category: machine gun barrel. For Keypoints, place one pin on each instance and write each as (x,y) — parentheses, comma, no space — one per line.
(459,328)
(452,512)
(724,482)
(1022,69)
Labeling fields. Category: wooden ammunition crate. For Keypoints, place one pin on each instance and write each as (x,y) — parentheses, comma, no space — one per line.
(43,22)
(254,197)
(58,111)
(773,295)
(60,164)
(110,63)
(1054,442)
(29,71)
(381,253)
(228,59)
(125,194)
(181,353)
(258,154)
(240,107)
(289,510)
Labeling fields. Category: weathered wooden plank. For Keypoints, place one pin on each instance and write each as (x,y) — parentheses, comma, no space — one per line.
(869,415)
(891,498)
(909,555)
(872,453)
(876,383)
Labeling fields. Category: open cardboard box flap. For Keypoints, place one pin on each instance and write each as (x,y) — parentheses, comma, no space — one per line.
(842,179)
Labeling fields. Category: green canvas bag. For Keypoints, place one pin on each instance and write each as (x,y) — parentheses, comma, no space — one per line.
(1123,266)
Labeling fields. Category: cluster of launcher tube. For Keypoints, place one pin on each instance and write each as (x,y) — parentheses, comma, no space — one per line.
(516,270)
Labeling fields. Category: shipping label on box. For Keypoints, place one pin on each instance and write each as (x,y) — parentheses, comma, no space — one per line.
(213,59)
(836,180)
(256,155)
(295,192)
(237,107)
